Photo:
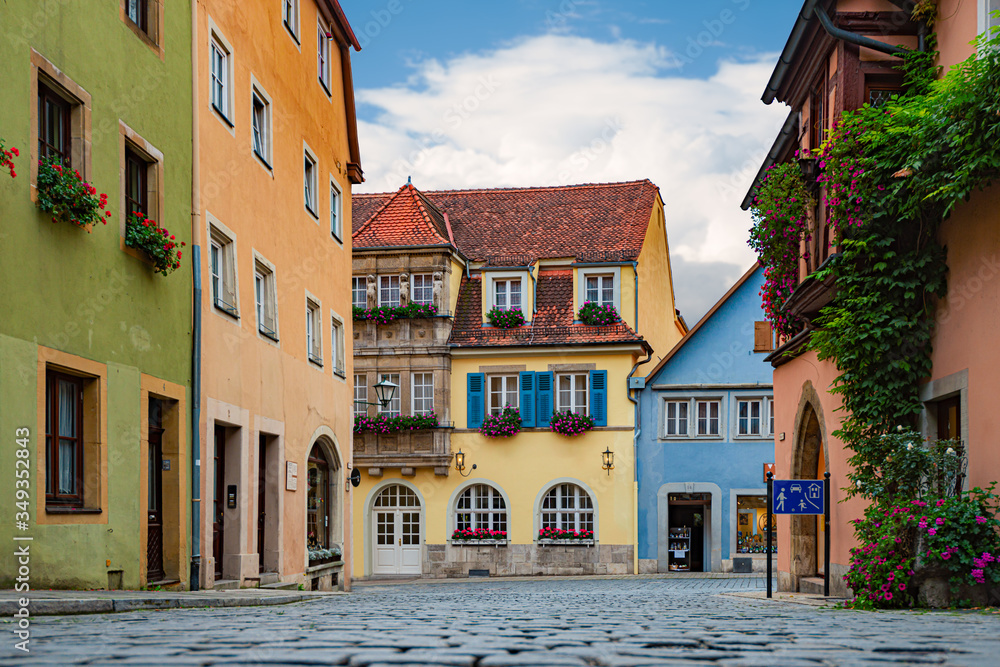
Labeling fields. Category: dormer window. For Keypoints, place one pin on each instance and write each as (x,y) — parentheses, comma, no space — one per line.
(601,290)
(507,294)
(601,285)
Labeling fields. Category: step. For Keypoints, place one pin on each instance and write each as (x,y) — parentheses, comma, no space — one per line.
(281,586)
(226,584)
(811,585)
(269,578)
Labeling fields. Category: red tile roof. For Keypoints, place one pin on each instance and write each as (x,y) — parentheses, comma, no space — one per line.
(594,222)
(552,324)
(403,219)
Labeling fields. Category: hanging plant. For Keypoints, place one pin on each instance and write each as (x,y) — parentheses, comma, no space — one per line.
(386,314)
(159,244)
(6,158)
(505,319)
(594,314)
(384,425)
(67,197)
(570,423)
(507,424)
(781,219)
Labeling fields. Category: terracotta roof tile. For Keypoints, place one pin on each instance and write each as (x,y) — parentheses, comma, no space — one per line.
(404,219)
(552,324)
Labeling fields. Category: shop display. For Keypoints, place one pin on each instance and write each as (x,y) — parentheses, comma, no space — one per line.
(680,549)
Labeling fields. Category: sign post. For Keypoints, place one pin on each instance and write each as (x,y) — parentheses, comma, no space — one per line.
(770,500)
(802,497)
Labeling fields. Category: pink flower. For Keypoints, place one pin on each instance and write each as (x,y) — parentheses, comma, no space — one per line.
(932,531)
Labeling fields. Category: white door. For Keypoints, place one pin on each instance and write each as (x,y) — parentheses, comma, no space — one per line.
(396,532)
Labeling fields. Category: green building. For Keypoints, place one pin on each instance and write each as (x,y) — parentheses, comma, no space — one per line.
(95,345)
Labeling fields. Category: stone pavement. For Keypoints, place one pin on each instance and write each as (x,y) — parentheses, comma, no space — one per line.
(495,623)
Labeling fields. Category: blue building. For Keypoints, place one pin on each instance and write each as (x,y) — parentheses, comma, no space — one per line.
(705,437)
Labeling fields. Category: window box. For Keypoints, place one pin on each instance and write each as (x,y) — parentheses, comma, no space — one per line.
(505,318)
(479,543)
(159,244)
(544,542)
(507,424)
(64,194)
(597,315)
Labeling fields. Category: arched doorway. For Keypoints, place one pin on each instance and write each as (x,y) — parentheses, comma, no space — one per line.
(395,522)
(808,462)
(322,498)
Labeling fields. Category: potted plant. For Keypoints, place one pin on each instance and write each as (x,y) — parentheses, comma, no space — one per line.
(570,423)
(384,425)
(479,536)
(159,244)
(502,318)
(6,157)
(67,197)
(549,535)
(504,425)
(594,314)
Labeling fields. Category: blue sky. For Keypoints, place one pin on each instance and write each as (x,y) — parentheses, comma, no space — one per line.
(540,92)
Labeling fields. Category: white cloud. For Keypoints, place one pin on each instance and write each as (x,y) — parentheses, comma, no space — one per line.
(558,109)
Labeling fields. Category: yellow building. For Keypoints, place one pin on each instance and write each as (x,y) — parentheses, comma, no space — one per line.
(276,156)
(435,276)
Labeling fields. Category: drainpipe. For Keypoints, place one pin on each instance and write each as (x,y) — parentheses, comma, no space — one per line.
(635,308)
(854,38)
(195,576)
(534,292)
(637,431)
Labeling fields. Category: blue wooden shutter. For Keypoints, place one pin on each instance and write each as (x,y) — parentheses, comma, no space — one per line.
(543,390)
(527,389)
(599,397)
(474,395)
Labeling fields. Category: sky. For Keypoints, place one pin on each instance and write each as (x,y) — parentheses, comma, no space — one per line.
(474,94)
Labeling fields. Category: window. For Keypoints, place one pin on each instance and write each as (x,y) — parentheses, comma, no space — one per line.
(219,60)
(337,344)
(336,223)
(54,136)
(393,409)
(266,306)
(749,416)
(507,294)
(137,12)
(481,506)
(136,183)
(63,439)
(309,180)
(222,261)
(708,417)
(358,292)
(601,290)
(572,393)
(388,292)
(360,395)
(314,340)
(770,416)
(290,17)
(423,393)
(422,288)
(567,507)
(503,392)
(676,415)
(323,54)
(260,123)
(987,18)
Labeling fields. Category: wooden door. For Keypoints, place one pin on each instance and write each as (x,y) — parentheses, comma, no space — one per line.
(219,502)
(154,526)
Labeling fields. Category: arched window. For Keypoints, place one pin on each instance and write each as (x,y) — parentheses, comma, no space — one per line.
(481,506)
(567,507)
(318,499)
(397,495)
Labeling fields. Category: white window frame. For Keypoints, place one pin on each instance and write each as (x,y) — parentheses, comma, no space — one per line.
(719,420)
(583,273)
(290,18)
(505,391)
(218,42)
(265,298)
(360,394)
(395,407)
(427,287)
(578,518)
(495,276)
(310,181)
(601,279)
(507,302)
(337,337)
(983,13)
(422,410)
(363,281)
(750,402)
(678,420)
(769,403)
(314,330)
(469,501)
(323,53)
(574,378)
(224,239)
(385,287)
(257,93)
(336,210)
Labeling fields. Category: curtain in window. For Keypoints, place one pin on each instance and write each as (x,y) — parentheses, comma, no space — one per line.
(67,437)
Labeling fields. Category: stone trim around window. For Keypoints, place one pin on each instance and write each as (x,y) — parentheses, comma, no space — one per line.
(153,35)
(133,141)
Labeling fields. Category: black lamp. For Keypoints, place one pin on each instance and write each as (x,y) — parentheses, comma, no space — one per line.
(460,464)
(608,460)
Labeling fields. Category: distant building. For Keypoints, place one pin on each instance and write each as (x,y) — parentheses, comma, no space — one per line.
(704,439)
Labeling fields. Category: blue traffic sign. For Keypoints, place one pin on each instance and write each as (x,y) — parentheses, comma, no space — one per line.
(797,496)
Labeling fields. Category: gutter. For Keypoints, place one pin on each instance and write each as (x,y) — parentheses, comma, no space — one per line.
(637,420)
(195,575)
(788,53)
(635,307)
(855,38)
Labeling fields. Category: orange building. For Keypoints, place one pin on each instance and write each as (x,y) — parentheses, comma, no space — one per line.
(276,153)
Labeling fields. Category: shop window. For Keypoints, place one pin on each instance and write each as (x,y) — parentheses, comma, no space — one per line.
(395,405)
(481,506)
(751,526)
(567,507)
(707,417)
(318,500)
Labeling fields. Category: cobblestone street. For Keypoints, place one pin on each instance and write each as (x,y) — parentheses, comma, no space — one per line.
(543,622)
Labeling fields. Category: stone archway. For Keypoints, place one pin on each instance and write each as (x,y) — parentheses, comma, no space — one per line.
(810,460)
